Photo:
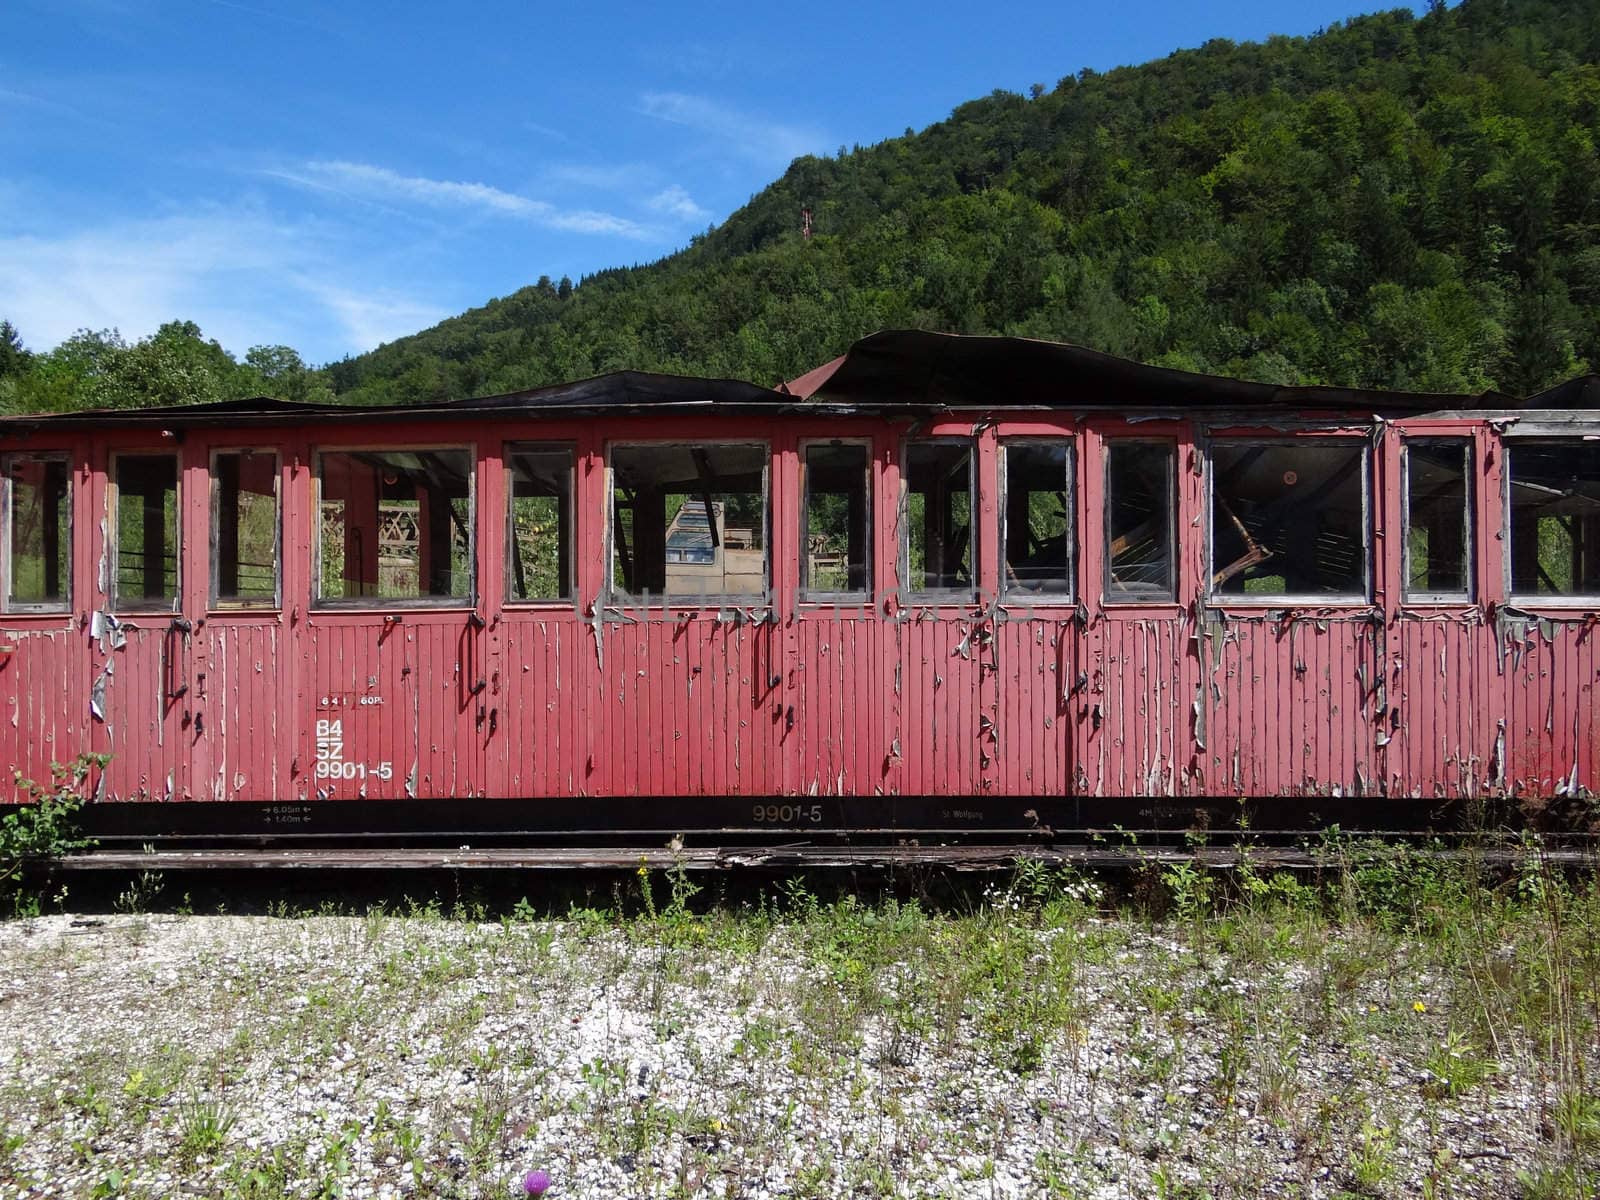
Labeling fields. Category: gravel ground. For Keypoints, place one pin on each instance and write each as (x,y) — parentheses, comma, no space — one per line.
(865,1053)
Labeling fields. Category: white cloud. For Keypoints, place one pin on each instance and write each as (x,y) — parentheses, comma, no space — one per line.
(367,181)
(371,318)
(755,137)
(677,202)
(363,177)
(244,275)
(589,175)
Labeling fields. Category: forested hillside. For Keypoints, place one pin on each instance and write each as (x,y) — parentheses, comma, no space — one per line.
(1399,201)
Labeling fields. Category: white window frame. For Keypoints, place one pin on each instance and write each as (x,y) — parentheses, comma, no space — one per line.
(381,603)
(1469,531)
(7,497)
(1291,599)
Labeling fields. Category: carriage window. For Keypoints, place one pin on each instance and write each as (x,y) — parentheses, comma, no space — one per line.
(689,523)
(38,531)
(1554,493)
(396,525)
(1288,520)
(244,528)
(1438,530)
(837,543)
(145,518)
(1038,518)
(540,536)
(938,517)
(1139,497)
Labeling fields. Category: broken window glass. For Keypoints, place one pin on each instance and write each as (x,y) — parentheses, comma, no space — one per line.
(145,517)
(1139,496)
(1288,519)
(938,517)
(395,525)
(38,532)
(835,557)
(689,523)
(244,532)
(1554,493)
(1038,518)
(1438,535)
(539,480)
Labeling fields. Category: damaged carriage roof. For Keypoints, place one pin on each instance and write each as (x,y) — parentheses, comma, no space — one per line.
(894,370)
(626,391)
(920,369)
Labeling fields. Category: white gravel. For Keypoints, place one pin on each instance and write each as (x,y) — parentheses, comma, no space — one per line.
(381,1056)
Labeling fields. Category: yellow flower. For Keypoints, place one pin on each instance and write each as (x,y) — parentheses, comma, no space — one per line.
(1419,1006)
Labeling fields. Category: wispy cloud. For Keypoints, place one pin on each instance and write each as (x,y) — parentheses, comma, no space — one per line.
(545,131)
(248,277)
(755,137)
(371,318)
(676,202)
(599,176)
(368,181)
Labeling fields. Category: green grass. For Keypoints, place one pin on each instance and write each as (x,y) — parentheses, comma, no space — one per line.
(675,1043)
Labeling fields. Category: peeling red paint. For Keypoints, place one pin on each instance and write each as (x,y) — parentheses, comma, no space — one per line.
(1193,698)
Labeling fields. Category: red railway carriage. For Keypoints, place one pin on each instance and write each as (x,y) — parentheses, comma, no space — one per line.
(939,584)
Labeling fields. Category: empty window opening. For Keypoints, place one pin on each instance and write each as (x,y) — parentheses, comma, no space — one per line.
(837,541)
(38,531)
(1554,493)
(1438,531)
(938,516)
(540,538)
(1139,495)
(1288,520)
(145,517)
(1038,518)
(395,525)
(689,523)
(244,524)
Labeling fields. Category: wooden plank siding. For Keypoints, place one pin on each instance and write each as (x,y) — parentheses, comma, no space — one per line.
(973,703)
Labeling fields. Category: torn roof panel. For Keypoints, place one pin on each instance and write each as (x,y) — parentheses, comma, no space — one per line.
(894,370)
(917,368)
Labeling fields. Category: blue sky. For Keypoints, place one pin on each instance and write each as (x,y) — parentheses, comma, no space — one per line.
(335,175)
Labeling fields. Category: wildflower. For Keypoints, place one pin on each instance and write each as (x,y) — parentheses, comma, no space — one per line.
(536,1182)
(1419,1006)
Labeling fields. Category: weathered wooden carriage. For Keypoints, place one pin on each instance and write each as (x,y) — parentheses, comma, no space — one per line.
(940,584)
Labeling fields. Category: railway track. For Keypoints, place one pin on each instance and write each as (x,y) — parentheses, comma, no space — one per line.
(1295,850)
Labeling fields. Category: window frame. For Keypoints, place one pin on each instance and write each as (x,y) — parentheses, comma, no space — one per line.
(381,603)
(509,450)
(619,599)
(1109,598)
(1361,599)
(862,595)
(1582,601)
(935,596)
(113,514)
(7,520)
(1469,532)
(214,600)
(1019,595)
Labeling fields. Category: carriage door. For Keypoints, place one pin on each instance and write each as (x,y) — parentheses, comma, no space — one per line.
(1037,641)
(141,690)
(396,663)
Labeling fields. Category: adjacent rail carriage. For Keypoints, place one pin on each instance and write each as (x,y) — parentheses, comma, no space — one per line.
(938,585)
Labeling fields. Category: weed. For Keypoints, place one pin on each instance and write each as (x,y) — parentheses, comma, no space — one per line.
(43,828)
(142,891)
(1372,1159)
(203,1126)
(1456,1066)
(1190,888)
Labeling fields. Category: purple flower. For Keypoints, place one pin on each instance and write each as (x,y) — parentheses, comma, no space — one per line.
(536,1182)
